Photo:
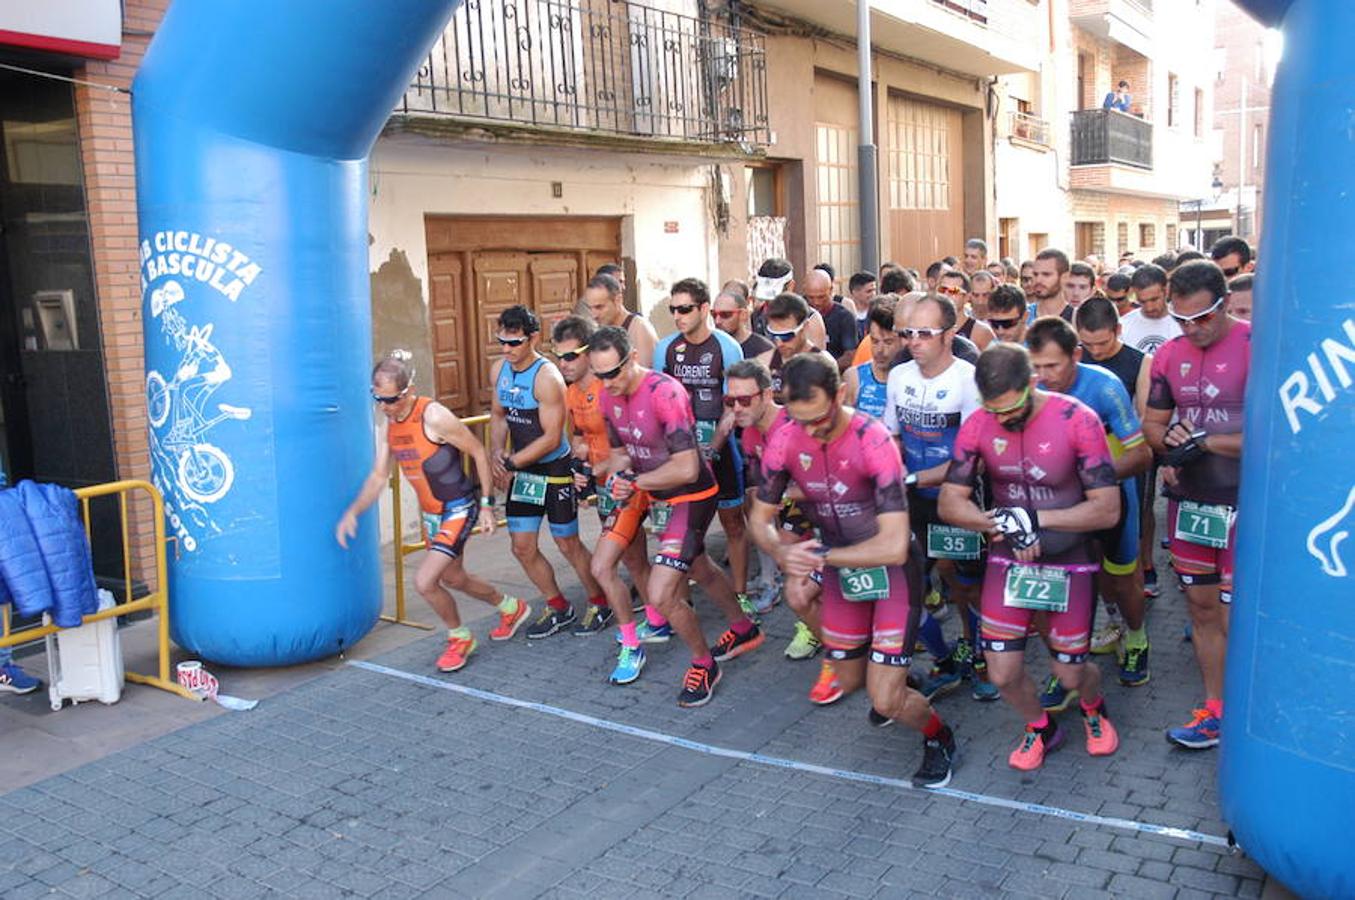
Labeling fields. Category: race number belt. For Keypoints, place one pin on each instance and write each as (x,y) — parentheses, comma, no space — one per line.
(1205,524)
(863,585)
(948,542)
(659,514)
(605,503)
(529,488)
(1042,588)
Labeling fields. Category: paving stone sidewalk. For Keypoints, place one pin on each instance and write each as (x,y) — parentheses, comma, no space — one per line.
(361,784)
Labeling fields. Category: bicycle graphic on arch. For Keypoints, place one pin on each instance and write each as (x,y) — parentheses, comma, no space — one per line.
(179,410)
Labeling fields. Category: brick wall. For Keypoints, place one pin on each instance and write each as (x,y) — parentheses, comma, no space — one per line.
(105,124)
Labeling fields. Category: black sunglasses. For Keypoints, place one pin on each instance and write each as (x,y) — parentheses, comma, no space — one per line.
(684,309)
(1004,323)
(512,342)
(610,373)
(745,402)
(570,355)
(389,400)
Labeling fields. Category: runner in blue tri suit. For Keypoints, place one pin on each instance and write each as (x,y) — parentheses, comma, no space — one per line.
(867,382)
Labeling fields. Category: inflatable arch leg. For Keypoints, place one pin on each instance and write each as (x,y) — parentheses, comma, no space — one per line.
(253,120)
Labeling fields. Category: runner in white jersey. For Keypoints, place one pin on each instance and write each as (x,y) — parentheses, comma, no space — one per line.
(1149,327)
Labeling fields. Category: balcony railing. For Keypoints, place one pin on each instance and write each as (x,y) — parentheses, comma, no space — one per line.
(1026,127)
(973,9)
(607,66)
(1102,136)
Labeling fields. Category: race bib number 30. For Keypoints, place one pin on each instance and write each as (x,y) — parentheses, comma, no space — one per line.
(862,585)
(1036,587)
(529,488)
(947,542)
(1204,523)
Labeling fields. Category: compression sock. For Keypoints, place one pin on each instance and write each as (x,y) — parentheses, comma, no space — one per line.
(930,632)
(654,617)
(558,603)
(1136,639)
(742,625)
(1215,707)
(1099,707)
(705,662)
(462,633)
(1040,724)
(934,727)
(629,637)
(508,605)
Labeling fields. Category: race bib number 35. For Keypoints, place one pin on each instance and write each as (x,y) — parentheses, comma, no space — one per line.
(862,585)
(529,488)
(947,542)
(1036,587)
(1205,524)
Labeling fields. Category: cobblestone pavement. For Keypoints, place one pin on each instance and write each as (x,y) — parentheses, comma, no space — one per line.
(362,784)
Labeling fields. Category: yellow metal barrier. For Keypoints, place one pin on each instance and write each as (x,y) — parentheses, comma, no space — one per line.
(156,601)
(403,549)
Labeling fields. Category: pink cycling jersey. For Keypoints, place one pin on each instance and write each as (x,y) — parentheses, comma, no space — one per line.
(846,482)
(1051,463)
(753,441)
(1206,388)
(653,423)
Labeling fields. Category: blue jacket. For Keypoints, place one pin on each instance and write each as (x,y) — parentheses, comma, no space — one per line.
(45,561)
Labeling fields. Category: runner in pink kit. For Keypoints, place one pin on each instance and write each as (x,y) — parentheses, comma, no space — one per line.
(649,419)
(1053,480)
(852,477)
(1201,377)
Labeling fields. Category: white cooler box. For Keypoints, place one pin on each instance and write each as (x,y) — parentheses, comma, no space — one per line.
(85,663)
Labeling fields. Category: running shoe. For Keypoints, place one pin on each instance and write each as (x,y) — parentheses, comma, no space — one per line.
(963,655)
(826,690)
(456,655)
(595,619)
(1030,753)
(698,685)
(939,683)
(509,623)
(749,609)
(767,597)
(1200,733)
(938,761)
(1134,667)
(1150,586)
(1106,639)
(1055,697)
(629,662)
(935,604)
(1102,738)
(15,680)
(732,644)
(803,645)
(984,690)
(878,719)
(651,634)
(551,621)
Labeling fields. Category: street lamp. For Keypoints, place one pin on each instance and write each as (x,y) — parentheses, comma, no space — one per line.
(1217,187)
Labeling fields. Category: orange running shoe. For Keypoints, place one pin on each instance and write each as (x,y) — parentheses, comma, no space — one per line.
(1030,753)
(826,690)
(457,653)
(509,623)
(1102,739)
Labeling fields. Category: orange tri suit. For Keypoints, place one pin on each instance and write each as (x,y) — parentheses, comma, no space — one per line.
(619,523)
(448,497)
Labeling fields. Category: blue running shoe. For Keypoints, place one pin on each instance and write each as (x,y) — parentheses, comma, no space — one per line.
(1200,733)
(628,665)
(15,680)
(1151,590)
(939,682)
(649,634)
(984,690)
(1055,697)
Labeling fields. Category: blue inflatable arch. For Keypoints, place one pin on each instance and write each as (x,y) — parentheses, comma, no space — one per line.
(253,120)
(1287,767)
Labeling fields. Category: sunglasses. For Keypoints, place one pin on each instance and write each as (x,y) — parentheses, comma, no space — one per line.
(1200,317)
(723,314)
(1002,411)
(684,309)
(950,290)
(610,373)
(745,402)
(925,333)
(784,336)
(1003,324)
(1231,271)
(511,342)
(815,423)
(387,401)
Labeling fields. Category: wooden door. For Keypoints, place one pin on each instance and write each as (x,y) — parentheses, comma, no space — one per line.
(926,181)
(500,282)
(453,366)
(554,282)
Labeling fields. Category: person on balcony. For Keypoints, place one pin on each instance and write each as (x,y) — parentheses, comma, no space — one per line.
(1119,98)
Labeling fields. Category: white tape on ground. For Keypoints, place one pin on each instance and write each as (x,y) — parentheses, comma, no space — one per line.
(1181,834)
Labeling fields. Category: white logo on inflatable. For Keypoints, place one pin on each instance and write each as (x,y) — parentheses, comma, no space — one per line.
(1324,541)
(191,472)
